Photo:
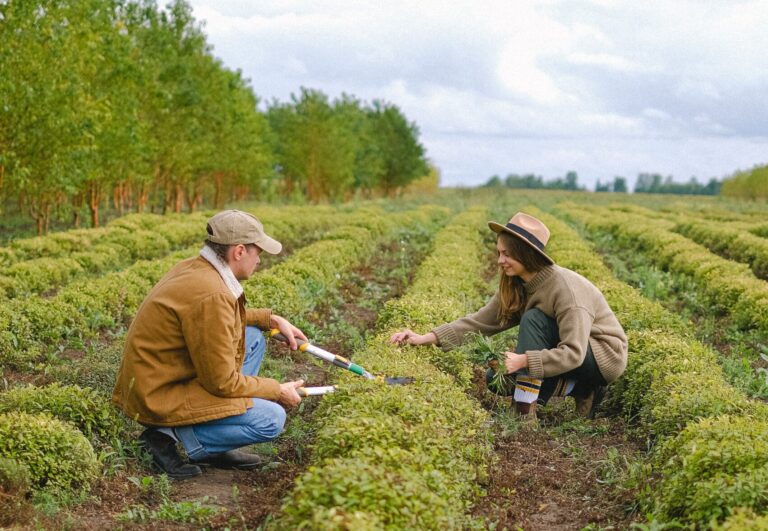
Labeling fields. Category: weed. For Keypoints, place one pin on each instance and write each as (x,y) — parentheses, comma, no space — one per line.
(156,489)
(186,512)
(612,469)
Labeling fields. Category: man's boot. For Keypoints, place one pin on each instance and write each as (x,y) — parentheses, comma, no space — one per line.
(234,459)
(586,406)
(165,456)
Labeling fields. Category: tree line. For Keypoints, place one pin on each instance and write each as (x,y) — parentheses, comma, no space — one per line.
(121,103)
(534,182)
(646,183)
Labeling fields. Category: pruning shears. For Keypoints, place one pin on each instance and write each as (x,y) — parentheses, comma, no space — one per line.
(338,361)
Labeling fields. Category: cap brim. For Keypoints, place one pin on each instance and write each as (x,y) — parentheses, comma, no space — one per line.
(270,245)
(497,227)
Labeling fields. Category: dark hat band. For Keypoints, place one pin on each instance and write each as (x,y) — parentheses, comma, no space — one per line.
(527,235)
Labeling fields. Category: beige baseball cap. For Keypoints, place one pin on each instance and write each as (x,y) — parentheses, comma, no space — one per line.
(231,227)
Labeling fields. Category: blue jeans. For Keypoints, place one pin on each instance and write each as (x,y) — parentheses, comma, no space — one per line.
(261,423)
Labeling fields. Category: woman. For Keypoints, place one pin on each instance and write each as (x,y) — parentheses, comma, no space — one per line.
(570,342)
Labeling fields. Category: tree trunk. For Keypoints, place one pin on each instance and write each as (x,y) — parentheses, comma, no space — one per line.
(77,205)
(94,200)
(143,197)
(117,197)
(41,213)
(126,199)
(241,192)
(218,183)
(179,198)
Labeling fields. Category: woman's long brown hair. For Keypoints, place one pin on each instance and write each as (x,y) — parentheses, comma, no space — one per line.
(512,294)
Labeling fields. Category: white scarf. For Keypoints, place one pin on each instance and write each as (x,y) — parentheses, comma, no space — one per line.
(224,270)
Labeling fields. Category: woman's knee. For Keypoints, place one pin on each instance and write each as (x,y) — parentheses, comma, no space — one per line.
(537,331)
(534,317)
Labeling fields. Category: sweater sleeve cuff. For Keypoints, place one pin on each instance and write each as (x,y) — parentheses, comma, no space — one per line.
(535,365)
(259,317)
(446,336)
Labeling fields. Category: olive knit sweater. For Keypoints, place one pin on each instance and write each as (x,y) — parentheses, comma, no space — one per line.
(583,318)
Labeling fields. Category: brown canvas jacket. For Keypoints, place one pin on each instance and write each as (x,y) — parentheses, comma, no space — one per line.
(184,351)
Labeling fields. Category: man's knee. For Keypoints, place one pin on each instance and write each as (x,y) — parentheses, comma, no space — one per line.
(254,338)
(270,422)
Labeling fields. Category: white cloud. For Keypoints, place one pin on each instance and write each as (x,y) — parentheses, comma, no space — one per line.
(484,77)
(609,61)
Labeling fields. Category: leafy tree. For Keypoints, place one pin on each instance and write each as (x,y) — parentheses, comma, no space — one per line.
(48,119)
(316,150)
(599,187)
(397,140)
(493,182)
(369,166)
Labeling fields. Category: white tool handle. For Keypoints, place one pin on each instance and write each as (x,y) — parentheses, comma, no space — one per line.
(315,391)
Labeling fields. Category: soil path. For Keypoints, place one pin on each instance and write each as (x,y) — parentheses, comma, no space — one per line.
(562,474)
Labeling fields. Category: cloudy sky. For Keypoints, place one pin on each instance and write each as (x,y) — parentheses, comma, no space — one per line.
(601,87)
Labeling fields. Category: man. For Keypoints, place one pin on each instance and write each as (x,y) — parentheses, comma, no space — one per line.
(193,352)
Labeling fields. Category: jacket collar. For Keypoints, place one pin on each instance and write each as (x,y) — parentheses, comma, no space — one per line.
(540,279)
(226,273)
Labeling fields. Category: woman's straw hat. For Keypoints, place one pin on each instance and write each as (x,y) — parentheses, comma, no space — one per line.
(528,229)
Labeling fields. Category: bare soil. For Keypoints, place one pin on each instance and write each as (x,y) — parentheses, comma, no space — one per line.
(560,474)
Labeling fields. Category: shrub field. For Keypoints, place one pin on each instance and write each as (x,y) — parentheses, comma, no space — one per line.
(681,441)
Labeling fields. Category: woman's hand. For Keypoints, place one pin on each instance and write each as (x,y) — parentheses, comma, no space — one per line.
(515,362)
(409,337)
(287,329)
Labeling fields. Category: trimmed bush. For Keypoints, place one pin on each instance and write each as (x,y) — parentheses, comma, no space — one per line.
(743,519)
(367,493)
(56,454)
(712,467)
(90,411)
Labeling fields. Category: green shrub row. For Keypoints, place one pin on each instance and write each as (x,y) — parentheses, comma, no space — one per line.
(731,286)
(739,245)
(403,457)
(33,327)
(760,230)
(297,285)
(148,236)
(117,233)
(85,408)
(54,453)
(675,388)
(94,416)
(734,240)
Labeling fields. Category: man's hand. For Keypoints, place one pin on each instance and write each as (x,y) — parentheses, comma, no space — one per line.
(515,362)
(288,395)
(409,337)
(288,330)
